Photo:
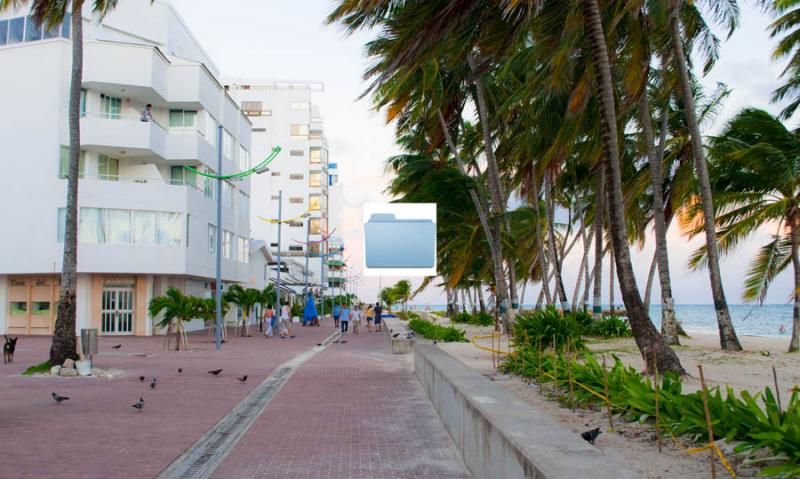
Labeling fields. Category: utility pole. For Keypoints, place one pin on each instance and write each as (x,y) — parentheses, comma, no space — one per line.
(308,230)
(278,277)
(218,246)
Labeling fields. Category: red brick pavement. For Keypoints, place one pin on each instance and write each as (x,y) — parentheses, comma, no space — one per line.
(352,411)
(97,434)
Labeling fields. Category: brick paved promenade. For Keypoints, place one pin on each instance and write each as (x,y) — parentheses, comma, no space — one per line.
(353,410)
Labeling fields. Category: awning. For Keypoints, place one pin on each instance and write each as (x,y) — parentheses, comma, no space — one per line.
(335,262)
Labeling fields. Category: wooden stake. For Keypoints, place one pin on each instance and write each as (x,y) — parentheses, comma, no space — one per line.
(608,399)
(711,452)
(539,364)
(656,387)
(571,388)
(494,365)
(777,391)
(555,371)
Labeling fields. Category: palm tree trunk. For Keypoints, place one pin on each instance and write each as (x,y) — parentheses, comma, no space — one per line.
(539,237)
(551,232)
(669,326)
(600,195)
(727,334)
(794,231)
(651,275)
(647,338)
(611,279)
(64,344)
(496,192)
(481,302)
(582,268)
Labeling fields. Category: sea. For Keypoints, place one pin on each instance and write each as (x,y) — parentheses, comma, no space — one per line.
(749,320)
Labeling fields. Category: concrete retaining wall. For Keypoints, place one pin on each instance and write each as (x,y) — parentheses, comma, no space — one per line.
(499,435)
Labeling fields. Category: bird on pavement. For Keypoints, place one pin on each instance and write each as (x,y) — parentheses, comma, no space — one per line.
(180,370)
(139,404)
(242,379)
(59,399)
(215,372)
(153,383)
(141,378)
(319,344)
(591,435)
(116,347)
(395,335)
(292,336)
(342,341)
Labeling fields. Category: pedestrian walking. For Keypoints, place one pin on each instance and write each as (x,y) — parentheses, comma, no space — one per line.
(345,320)
(337,313)
(355,317)
(269,320)
(310,314)
(370,314)
(378,317)
(284,325)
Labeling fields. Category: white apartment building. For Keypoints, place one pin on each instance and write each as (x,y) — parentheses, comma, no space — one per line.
(283,114)
(145,222)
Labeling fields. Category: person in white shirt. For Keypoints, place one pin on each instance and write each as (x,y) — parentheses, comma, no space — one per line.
(285,327)
(147,113)
(356,318)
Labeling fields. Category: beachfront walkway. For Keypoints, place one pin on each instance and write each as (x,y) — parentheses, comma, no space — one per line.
(350,410)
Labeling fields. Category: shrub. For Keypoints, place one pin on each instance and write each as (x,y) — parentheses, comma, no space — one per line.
(462,317)
(478,319)
(429,330)
(40,368)
(546,327)
(609,327)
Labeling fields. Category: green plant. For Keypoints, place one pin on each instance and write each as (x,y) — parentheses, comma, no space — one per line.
(429,330)
(462,317)
(608,327)
(38,369)
(548,327)
(177,308)
(482,319)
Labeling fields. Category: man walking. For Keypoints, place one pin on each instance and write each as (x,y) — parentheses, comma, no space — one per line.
(378,312)
(345,320)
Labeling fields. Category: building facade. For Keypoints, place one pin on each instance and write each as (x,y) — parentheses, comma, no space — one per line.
(300,178)
(145,221)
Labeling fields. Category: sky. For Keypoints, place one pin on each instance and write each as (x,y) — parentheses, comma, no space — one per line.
(289,40)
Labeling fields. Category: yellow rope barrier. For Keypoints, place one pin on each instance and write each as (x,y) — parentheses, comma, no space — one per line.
(484,348)
(712,445)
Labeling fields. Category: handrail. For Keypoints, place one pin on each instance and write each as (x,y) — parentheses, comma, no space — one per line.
(120,116)
(137,179)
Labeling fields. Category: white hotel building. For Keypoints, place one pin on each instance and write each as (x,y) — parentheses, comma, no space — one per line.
(283,113)
(145,222)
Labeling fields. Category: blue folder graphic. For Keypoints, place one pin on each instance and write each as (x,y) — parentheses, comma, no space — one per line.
(394,243)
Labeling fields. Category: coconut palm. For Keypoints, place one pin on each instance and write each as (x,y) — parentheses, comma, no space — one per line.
(206,309)
(787,25)
(177,308)
(402,292)
(244,298)
(756,176)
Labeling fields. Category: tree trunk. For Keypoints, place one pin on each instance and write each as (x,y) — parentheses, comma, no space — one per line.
(481,302)
(669,326)
(496,192)
(540,238)
(64,344)
(647,338)
(584,261)
(611,279)
(727,334)
(794,231)
(599,201)
(648,289)
(551,233)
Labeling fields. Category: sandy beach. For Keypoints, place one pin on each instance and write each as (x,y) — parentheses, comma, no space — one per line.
(634,443)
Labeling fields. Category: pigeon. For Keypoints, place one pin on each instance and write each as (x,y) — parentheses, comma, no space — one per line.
(116,347)
(141,378)
(153,383)
(139,404)
(319,344)
(180,370)
(293,336)
(395,335)
(59,399)
(435,342)
(215,372)
(242,379)
(342,342)
(591,435)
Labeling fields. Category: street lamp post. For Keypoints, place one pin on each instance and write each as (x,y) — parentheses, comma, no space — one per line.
(218,246)
(278,276)
(308,246)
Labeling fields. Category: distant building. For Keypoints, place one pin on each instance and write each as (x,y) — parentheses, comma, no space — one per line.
(146,223)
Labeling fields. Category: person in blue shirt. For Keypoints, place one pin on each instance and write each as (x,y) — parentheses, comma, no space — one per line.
(337,313)
(310,313)
(345,320)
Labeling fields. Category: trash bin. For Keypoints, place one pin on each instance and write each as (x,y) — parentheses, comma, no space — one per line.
(89,342)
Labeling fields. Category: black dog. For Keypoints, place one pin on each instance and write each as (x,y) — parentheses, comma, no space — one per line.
(8,349)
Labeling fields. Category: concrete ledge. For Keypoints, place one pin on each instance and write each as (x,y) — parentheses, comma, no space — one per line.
(499,435)
(398,345)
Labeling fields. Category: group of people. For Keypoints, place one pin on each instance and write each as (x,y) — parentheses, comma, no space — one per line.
(344,315)
(281,325)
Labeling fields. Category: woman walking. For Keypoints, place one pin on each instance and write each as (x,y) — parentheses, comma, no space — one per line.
(370,317)
(270,320)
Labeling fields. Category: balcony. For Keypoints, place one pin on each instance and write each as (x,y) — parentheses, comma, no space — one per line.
(189,145)
(122,135)
(143,75)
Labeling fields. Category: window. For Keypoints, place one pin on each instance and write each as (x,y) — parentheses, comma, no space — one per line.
(40,308)
(299,132)
(111,107)
(212,239)
(244,158)
(33,31)
(107,168)
(208,184)
(119,226)
(19,308)
(61,228)
(16,27)
(3,31)
(313,249)
(299,105)
(295,224)
(273,245)
(169,229)
(179,175)
(53,32)
(227,145)
(63,163)
(296,176)
(252,108)
(296,200)
(244,206)
(91,227)
(314,226)
(276,173)
(315,155)
(314,202)
(210,131)
(227,195)
(83,102)
(244,250)
(315,178)
(259,130)
(187,230)
(275,197)
(66,25)
(143,227)
(315,135)
(296,152)
(295,248)
(227,244)
(182,121)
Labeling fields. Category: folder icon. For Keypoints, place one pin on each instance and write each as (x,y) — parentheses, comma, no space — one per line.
(394,243)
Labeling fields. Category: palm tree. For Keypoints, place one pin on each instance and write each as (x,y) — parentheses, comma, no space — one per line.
(206,309)
(756,175)
(177,308)
(245,299)
(402,292)
(787,24)
(387,296)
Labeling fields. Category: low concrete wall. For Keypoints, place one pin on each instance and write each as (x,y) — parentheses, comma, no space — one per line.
(499,435)
(400,344)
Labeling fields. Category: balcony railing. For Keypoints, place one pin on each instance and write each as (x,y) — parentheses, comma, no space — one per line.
(138,179)
(120,116)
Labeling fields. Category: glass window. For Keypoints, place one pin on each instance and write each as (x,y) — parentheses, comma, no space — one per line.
(111,107)
(212,239)
(314,226)
(33,31)
(244,206)
(227,195)
(169,229)
(244,158)
(299,132)
(295,176)
(252,108)
(315,155)
(63,163)
(143,229)
(296,200)
(227,244)
(315,178)
(19,308)
(40,308)
(53,32)
(208,184)
(16,30)
(276,173)
(107,168)
(314,202)
(3,31)
(313,249)
(83,102)
(244,250)
(210,131)
(66,25)
(119,226)
(227,145)
(182,121)
(295,248)
(296,152)
(299,105)
(92,226)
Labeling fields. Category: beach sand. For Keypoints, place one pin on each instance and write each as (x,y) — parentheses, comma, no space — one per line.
(633,443)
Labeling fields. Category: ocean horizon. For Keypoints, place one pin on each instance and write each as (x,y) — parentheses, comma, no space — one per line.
(748,319)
